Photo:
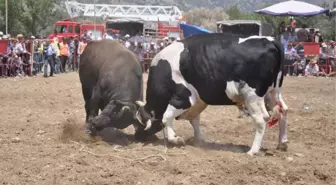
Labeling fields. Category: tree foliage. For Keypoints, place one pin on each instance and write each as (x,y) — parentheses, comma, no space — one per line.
(205,17)
(30,17)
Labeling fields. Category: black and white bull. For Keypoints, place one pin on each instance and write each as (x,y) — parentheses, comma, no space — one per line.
(216,69)
(111,78)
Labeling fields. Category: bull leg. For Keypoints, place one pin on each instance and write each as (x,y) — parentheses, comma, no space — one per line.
(283,140)
(256,108)
(168,117)
(197,133)
(259,114)
(92,112)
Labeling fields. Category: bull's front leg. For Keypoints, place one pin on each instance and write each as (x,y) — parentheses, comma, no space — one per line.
(92,110)
(167,120)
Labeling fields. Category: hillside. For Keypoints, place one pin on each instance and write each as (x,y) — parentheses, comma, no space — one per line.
(244,5)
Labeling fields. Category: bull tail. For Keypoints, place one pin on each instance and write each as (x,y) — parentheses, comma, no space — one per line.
(279,68)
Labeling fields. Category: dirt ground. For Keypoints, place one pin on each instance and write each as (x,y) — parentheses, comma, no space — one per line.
(42,141)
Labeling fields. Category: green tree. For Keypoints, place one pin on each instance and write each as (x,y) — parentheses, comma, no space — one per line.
(38,15)
(14,16)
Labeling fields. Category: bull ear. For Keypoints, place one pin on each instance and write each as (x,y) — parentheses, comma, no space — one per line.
(140,103)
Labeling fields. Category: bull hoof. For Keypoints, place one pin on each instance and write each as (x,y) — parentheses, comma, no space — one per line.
(195,142)
(177,141)
(282,147)
(91,131)
(252,153)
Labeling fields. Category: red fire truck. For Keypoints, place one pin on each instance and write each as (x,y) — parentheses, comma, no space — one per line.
(69,28)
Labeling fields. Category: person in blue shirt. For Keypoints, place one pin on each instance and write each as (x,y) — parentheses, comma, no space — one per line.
(50,55)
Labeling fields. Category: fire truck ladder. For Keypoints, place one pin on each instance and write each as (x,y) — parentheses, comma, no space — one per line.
(145,13)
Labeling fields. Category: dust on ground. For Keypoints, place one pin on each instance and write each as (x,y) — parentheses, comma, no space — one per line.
(42,141)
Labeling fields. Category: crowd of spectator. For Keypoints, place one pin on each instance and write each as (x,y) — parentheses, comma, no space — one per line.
(64,55)
(60,56)
(299,64)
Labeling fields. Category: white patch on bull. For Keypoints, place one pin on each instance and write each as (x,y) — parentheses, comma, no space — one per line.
(241,40)
(170,53)
(232,90)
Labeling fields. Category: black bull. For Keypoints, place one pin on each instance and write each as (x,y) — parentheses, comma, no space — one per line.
(111,79)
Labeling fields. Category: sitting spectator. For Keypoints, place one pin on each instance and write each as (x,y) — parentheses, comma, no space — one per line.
(299,67)
(312,68)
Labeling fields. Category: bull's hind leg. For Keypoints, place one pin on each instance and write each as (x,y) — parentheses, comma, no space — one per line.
(271,98)
(256,108)
(197,132)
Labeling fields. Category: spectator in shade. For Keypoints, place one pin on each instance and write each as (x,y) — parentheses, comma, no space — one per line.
(303,34)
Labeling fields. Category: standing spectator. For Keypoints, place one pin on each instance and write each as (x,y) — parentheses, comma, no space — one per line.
(332,56)
(76,51)
(81,47)
(72,53)
(57,62)
(64,53)
(85,35)
(303,34)
(139,51)
(318,37)
(311,37)
(51,52)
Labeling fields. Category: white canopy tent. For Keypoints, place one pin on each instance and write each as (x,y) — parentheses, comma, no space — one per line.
(293,8)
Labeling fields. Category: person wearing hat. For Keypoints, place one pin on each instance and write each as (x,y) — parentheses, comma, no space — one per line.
(312,68)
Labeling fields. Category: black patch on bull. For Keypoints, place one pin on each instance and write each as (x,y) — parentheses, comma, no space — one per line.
(212,60)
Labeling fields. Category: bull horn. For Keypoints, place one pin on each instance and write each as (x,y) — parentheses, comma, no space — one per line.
(148,124)
(125,107)
(140,103)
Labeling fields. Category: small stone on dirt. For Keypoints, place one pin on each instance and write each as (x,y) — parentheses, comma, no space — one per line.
(299,155)
(40,132)
(283,173)
(289,159)
(16,140)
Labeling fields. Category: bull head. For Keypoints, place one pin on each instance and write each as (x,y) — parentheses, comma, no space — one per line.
(145,116)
